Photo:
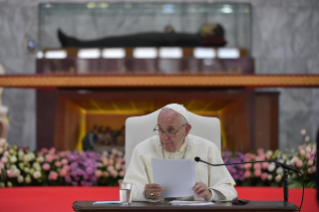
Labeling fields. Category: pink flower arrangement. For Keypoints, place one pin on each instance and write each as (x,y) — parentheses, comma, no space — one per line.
(264,176)
(49,158)
(53,175)
(247,174)
(46,167)
(50,167)
(257,172)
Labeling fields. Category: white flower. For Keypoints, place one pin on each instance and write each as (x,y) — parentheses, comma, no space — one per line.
(307,138)
(28,179)
(37,175)
(20,179)
(271,167)
(1,150)
(13,159)
(20,153)
(269,177)
(278,178)
(308,149)
(17,172)
(40,159)
(303,132)
(279,170)
(31,171)
(26,170)
(29,157)
(36,166)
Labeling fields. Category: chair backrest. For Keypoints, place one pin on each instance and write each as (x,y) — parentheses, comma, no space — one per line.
(139,128)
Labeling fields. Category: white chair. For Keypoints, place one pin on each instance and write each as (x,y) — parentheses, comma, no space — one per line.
(139,128)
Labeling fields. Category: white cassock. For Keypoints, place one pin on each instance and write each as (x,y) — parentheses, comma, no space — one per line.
(217,178)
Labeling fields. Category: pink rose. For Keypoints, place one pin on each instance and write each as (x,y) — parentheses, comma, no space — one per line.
(58,163)
(265,165)
(1,165)
(309,171)
(264,176)
(299,163)
(257,166)
(114,173)
(105,161)
(4,159)
(310,162)
(44,150)
(247,157)
(66,167)
(247,174)
(2,142)
(6,153)
(308,155)
(48,158)
(257,172)
(53,175)
(52,151)
(119,160)
(64,161)
(1,150)
(122,173)
(110,168)
(302,152)
(253,157)
(111,162)
(260,157)
(63,172)
(10,173)
(247,165)
(261,151)
(46,166)
(63,154)
(105,174)
(118,166)
(98,173)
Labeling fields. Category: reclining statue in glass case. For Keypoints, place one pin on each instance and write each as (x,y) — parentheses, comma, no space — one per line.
(209,35)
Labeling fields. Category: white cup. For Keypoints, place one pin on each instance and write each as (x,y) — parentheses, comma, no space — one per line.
(126,193)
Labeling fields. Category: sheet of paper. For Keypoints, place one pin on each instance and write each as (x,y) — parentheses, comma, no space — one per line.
(177,202)
(107,202)
(177,177)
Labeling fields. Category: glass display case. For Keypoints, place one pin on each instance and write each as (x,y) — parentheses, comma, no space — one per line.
(94,20)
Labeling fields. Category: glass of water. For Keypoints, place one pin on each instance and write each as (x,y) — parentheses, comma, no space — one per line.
(126,193)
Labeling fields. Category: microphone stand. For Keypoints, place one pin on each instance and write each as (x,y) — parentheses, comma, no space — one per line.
(284,166)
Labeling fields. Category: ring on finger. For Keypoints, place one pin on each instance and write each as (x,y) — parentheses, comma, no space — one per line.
(152,194)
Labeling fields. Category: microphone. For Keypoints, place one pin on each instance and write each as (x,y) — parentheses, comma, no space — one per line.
(283,165)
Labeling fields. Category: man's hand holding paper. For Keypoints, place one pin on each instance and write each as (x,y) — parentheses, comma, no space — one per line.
(153,191)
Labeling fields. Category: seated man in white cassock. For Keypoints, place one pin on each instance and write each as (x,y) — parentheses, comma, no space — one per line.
(173,141)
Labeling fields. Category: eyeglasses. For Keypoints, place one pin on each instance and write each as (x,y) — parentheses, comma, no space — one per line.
(169,133)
